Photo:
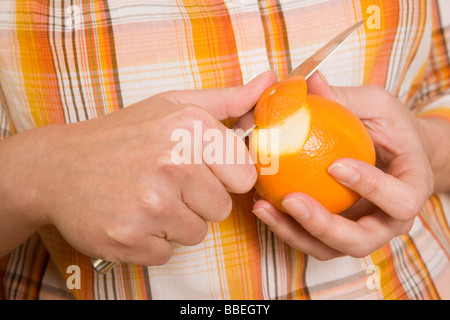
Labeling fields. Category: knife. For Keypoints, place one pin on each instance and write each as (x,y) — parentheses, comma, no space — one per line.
(305,69)
(246,122)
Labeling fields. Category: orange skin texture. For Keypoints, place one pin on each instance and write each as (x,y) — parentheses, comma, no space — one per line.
(275,106)
(335,133)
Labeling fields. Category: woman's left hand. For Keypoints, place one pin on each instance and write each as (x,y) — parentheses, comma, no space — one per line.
(392,193)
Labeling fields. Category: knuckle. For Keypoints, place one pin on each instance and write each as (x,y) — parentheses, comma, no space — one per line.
(405,227)
(414,209)
(162,257)
(154,204)
(252,177)
(225,206)
(319,230)
(180,168)
(189,110)
(371,187)
(376,88)
(218,207)
(410,210)
(200,236)
(124,235)
(189,113)
(429,183)
(326,255)
(245,184)
(362,249)
(285,236)
(411,207)
(184,116)
(380,92)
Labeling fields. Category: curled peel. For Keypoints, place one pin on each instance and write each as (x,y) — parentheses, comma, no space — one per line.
(280,100)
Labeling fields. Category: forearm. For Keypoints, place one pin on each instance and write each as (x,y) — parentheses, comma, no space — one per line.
(436,134)
(19,174)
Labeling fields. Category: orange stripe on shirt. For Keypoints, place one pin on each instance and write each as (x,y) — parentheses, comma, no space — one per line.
(379,42)
(277,44)
(434,220)
(99,54)
(441,63)
(106,54)
(64,256)
(390,284)
(421,11)
(295,272)
(214,44)
(218,66)
(241,251)
(36,58)
(429,291)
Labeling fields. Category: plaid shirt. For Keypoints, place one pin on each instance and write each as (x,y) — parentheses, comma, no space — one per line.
(69,61)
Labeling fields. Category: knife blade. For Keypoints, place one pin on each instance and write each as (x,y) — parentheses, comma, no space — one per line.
(305,69)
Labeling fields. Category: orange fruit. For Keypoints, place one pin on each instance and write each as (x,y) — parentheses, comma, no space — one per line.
(312,132)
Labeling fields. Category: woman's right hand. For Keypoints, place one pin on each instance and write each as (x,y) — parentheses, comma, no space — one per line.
(110,185)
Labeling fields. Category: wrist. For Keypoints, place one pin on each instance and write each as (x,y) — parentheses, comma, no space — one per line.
(434,133)
(21,170)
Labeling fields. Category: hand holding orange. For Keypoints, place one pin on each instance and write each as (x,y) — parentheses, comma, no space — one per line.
(393,193)
(313,132)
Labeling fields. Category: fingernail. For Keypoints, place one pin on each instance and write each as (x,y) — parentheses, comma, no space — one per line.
(266,217)
(296,208)
(344,173)
(260,75)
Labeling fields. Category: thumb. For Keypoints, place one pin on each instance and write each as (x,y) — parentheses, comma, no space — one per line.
(224,103)
(360,100)
(318,85)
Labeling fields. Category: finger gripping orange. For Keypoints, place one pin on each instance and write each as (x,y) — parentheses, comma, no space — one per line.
(313,133)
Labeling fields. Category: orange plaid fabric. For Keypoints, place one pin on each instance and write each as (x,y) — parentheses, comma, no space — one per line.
(69,61)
